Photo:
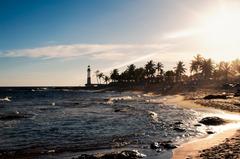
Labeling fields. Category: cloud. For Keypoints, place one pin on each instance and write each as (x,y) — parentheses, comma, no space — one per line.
(128,62)
(93,51)
(181,33)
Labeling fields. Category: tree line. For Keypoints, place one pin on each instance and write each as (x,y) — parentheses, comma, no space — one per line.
(201,69)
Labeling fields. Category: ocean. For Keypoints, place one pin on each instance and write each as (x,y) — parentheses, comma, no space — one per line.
(63,123)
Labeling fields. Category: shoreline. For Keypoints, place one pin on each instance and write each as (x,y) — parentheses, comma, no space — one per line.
(191,149)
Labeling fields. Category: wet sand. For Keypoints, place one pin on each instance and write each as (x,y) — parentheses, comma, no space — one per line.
(193,148)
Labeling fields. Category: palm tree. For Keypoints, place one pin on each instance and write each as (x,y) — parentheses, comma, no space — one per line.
(207,68)
(106,79)
(139,74)
(225,69)
(236,66)
(159,68)
(195,65)
(100,76)
(114,75)
(169,76)
(131,72)
(96,74)
(124,76)
(179,70)
(150,69)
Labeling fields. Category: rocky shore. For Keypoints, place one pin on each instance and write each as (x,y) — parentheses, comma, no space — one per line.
(229,149)
(218,99)
(126,154)
(228,101)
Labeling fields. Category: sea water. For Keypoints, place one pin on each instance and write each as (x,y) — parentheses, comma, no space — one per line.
(64,122)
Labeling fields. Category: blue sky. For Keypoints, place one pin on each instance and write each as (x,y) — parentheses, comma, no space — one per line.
(51,42)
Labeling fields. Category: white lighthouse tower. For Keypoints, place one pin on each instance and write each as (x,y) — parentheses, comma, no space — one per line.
(88,76)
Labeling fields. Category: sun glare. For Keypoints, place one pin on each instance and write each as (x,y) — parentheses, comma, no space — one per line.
(223,27)
(221,31)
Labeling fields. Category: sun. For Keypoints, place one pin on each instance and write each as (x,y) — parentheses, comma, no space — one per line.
(220,31)
(223,27)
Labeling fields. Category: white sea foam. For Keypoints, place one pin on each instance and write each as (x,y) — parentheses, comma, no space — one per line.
(148,95)
(121,98)
(154,101)
(153,115)
(7,99)
(111,100)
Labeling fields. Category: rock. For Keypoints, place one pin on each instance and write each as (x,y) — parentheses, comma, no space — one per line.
(178,123)
(178,129)
(162,145)
(121,110)
(117,110)
(210,132)
(13,116)
(126,154)
(212,121)
(154,145)
(215,97)
(228,86)
(170,146)
(197,125)
(132,154)
(86,156)
(237,94)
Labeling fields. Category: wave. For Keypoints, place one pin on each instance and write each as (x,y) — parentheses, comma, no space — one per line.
(7,99)
(111,100)
(154,101)
(121,98)
(149,95)
(39,89)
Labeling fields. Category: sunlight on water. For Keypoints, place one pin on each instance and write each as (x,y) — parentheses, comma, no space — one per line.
(81,121)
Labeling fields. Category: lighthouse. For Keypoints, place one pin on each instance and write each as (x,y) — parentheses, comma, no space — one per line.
(88,76)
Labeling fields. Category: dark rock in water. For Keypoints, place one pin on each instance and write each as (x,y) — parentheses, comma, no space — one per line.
(155,145)
(237,94)
(178,129)
(121,110)
(197,125)
(126,154)
(215,97)
(178,123)
(237,104)
(162,145)
(212,121)
(169,146)
(132,154)
(86,156)
(210,132)
(117,110)
(13,116)
(228,86)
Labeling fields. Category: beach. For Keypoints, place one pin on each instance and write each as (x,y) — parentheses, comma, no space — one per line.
(224,144)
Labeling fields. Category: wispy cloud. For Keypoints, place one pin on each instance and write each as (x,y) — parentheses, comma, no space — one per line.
(128,62)
(95,51)
(181,33)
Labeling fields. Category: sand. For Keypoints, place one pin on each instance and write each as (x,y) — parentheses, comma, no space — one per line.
(192,149)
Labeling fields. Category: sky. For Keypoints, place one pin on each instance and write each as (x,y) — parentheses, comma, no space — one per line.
(51,42)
